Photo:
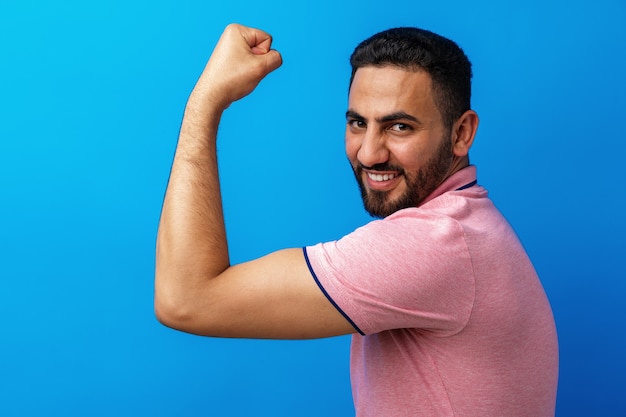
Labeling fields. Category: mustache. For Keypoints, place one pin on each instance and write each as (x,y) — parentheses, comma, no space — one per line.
(383,167)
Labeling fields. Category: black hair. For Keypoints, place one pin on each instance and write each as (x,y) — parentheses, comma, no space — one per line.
(417,49)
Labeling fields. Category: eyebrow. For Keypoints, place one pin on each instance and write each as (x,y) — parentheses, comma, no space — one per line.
(350,114)
(392,117)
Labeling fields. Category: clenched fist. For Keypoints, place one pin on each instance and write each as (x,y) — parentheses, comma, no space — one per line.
(240,60)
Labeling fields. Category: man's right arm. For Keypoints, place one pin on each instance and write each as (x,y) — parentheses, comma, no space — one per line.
(196,288)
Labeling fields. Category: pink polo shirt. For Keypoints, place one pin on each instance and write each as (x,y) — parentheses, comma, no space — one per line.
(453,320)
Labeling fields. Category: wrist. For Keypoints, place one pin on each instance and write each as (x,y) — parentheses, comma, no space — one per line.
(206,102)
(198,131)
(203,112)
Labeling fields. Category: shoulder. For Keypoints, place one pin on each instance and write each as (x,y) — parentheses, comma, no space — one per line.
(410,242)
(415,262)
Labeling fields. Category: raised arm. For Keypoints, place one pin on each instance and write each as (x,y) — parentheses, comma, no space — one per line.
(196,289)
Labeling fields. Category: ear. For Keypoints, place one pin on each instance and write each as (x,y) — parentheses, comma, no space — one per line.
(463,133)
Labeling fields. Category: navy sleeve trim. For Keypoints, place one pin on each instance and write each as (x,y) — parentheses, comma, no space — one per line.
(319,284)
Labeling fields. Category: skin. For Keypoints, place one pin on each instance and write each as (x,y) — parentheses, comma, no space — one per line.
(196,288)
(396,140)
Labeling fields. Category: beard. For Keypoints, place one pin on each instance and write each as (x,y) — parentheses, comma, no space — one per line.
(419,185)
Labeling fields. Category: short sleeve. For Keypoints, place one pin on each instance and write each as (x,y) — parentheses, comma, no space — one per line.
(410,270)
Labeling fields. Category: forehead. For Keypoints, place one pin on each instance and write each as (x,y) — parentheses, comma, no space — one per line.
(389,89)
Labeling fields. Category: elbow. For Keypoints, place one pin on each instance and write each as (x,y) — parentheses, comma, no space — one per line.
(180,308)
(164,311)
(174,314)
(170,307)
(179,314)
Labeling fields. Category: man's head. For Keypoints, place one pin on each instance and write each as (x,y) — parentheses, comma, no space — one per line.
(417,49)
(409,124)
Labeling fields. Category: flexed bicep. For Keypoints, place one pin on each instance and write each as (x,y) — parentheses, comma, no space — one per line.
(196,289)
(272,297)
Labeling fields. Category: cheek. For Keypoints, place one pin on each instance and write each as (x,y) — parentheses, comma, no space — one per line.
(413,155)
(407,156)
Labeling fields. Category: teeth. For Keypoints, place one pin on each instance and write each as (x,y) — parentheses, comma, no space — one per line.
(380,177)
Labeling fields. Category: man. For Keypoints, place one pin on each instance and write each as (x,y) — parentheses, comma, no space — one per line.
(448,315)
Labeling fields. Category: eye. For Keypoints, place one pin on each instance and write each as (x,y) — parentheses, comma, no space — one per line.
(356,124)
(400,127)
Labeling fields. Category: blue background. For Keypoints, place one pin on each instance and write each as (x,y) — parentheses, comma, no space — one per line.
(91,98)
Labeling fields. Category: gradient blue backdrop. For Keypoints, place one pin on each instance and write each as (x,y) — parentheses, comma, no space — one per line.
(91,97)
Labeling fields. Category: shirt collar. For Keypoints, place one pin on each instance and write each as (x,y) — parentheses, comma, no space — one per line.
(457,180)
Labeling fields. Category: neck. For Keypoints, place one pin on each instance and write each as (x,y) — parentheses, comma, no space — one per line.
(457,165)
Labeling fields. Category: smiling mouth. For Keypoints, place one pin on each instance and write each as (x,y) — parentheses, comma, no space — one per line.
(381,177)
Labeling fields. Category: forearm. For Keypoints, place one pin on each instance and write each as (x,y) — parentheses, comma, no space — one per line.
(191,242)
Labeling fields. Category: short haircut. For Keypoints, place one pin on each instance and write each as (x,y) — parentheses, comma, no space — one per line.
(417,49)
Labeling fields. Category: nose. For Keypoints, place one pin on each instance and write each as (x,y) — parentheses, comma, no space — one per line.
(372,150)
